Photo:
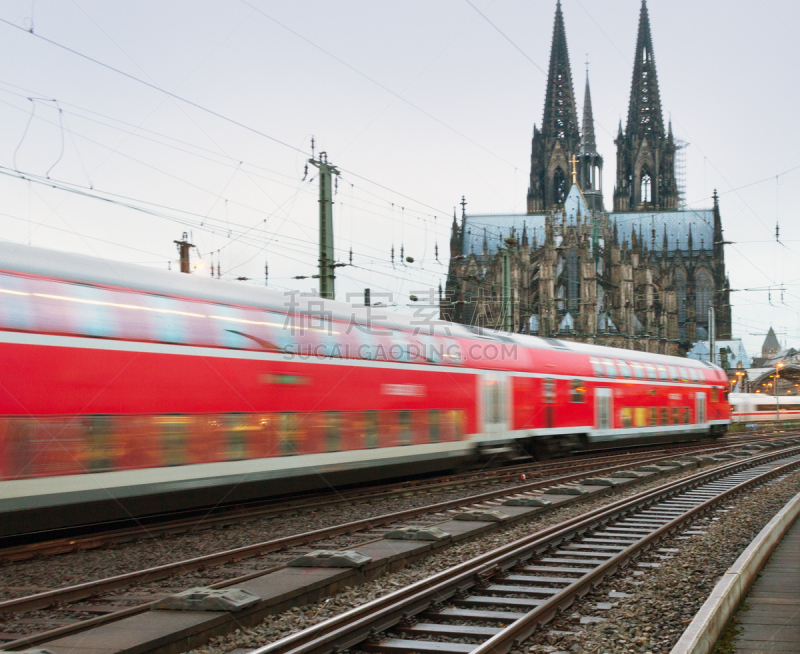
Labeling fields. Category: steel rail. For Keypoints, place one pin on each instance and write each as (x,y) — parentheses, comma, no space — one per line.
(358,624)
(289,506)
(90,588)
(43,637)
(67,544)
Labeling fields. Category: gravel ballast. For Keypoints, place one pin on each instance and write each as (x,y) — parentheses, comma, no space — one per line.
(281,625)
(28,577)
(664,601)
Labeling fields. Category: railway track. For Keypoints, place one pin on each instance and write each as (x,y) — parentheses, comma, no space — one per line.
(265,557)
(42,543)
(494,602)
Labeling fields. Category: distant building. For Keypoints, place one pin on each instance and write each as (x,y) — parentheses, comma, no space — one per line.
(771,345)
(641,277)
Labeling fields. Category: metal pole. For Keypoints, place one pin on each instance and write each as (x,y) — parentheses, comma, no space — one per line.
(507,309)
(326,255)
(712,355)
(777,405)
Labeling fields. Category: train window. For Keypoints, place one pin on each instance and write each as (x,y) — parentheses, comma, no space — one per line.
(173,439)
(664,415)
(611,369)
(577,391)
(625,417)
(236,427)
(662,373)
(17,309)
(459,418)
(714,394)
(549,390)
(597,367)
(638,369)
(405,431)
(99,441)
(398,350)
(692,374)
(653,416)
(684,374)
(371,429)
(624,369)
(675,416)
(685,415)
(651,371)
(673,373)
(332,425)
(640,416)
(452,351)
(289,433)
(433,423)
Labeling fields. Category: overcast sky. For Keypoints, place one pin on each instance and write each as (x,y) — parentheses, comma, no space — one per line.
(418,103)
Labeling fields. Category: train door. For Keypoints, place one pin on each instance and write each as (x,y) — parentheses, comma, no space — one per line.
(700,412)
(549,401)
(603,408)
(495,402)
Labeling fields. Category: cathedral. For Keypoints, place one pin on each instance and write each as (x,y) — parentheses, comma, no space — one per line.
(641,276)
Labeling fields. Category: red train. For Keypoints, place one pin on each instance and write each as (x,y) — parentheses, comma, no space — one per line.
(127,390)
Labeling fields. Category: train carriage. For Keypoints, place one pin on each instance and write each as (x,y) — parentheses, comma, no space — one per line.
(127,390)
(759,407)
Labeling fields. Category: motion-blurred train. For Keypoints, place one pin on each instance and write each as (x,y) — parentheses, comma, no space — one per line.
(759,407)
(126,391)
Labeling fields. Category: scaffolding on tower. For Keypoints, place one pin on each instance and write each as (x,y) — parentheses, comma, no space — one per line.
(680,171)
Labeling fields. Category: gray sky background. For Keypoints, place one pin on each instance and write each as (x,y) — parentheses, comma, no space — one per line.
(418,102)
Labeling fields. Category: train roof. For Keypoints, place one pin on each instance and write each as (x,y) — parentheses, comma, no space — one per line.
(83,269)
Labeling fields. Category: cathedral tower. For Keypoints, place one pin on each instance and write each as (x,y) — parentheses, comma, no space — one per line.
(645,153)
(559,139)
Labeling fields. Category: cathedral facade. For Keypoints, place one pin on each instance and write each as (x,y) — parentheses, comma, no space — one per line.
(642,276)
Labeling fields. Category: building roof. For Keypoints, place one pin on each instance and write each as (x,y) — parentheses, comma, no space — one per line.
(699,351)
(497,226)
(675,224)
(771,344)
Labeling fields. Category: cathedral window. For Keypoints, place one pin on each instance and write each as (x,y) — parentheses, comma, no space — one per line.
(680,283)
(646,185)
(573,282)
(704,290)
(559,186)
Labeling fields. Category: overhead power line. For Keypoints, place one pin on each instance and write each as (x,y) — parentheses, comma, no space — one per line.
(155,87)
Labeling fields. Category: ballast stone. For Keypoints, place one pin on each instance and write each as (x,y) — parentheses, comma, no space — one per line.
(482,515)
(208,599)
(330,559)
(416,533)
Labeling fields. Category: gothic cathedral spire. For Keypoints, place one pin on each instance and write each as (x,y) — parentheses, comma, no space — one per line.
(560,115)
(588,142)
(559,138)
(645,156)
(591,163)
